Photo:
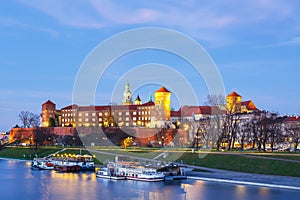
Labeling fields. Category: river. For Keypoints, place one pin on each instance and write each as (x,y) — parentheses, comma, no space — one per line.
(18,181)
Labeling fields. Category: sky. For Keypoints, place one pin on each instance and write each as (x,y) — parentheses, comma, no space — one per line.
(255,46)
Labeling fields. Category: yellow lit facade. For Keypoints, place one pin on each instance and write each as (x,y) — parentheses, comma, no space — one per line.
(163,99)
(233,102)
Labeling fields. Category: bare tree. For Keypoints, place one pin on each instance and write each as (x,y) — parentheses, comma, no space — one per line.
(216,121)
(24,116)
(29,119)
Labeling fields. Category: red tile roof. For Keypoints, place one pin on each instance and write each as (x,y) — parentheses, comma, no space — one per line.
(293,119)
(149,103)
(205,110)
(74,106)
(162,89)
(48,102)
(249,105)
(234,94)
(175,113)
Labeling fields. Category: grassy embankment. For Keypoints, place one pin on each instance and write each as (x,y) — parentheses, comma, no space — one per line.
(26,153)
(243,164)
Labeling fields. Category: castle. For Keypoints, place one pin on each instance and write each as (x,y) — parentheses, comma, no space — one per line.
(151,114)
(128,114)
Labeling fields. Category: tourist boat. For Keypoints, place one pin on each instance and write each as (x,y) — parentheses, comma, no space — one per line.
(42,164)
(141,173)
(109,173)
(74,163)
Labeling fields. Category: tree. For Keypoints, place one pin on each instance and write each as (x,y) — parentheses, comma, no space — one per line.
(216,121)
(52,122)
(29,119)
(24,116)
(294,132)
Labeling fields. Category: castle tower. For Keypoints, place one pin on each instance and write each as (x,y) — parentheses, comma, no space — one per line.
(48,112)
(163,99)
(127,95)
(233,102)
(138,100)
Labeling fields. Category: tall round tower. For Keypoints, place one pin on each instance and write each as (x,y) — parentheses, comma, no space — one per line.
(163,99)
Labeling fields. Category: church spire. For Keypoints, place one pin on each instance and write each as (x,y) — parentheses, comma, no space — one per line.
(127,95)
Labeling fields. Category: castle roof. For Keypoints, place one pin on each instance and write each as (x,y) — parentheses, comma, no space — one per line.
(74,106)
(249,105)
(138,98)
(293,119)
(149,103)
(234,94)
(162,89)
(48,102)
(204,110)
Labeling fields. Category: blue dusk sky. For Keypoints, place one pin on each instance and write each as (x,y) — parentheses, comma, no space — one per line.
(255,45)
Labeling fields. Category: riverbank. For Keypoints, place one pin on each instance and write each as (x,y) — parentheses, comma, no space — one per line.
(261,180)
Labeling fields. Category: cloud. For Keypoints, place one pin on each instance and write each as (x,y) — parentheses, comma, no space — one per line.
(295,41)
(68,12)
(209,21)
(8,22)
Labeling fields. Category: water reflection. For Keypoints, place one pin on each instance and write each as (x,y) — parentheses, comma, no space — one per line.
(18,181)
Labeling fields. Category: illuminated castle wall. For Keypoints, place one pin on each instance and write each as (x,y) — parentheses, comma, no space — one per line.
(163,100)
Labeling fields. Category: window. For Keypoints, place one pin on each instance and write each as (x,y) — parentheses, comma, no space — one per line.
(127,113)
(80,120)
(100,114)
(127,119)
(120,113)
(86,114)
(127,124)
(134,118)
(86,119)
(80,114)
(94,114)
(93,119)
(134,113)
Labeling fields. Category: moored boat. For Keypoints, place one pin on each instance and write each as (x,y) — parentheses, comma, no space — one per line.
(42,164)
(141,173)
(108,174)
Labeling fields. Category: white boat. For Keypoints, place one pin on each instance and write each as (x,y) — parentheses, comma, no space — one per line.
(42,164)
(141,173)
(108,173)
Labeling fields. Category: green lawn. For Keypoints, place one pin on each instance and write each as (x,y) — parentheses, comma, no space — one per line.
(26,153)
(243,164)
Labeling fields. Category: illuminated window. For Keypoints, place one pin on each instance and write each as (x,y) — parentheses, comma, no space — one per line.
(86,114)
(93,119)
(80,114)
(134,118)
(94,114)
(127,113)
(127,124)
(80,120)
(86,119)
(127,119)
(134,113)
(120,113)
(100,114)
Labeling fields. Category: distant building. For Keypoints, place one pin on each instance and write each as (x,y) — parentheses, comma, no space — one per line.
(234,104)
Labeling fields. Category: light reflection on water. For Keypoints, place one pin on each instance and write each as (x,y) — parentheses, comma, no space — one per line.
(18,181)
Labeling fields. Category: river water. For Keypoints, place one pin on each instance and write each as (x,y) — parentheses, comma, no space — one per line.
(18,181)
